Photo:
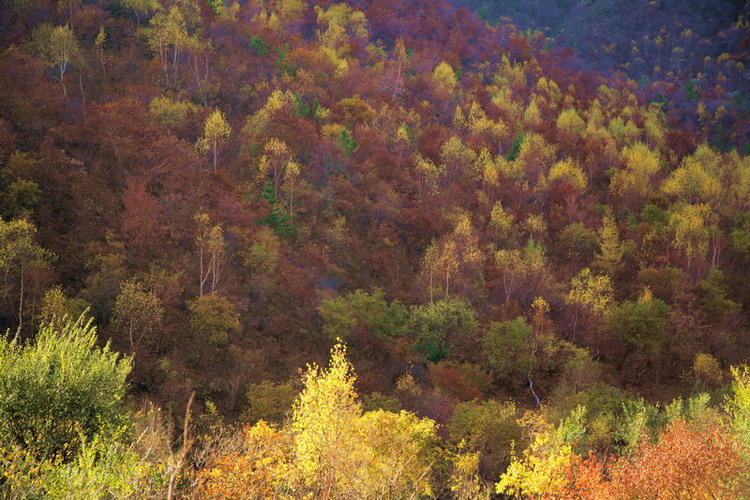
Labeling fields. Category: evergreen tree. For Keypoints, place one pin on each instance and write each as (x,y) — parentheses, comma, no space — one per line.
(276,218)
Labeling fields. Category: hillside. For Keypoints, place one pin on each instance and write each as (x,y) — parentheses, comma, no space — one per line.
(534,234)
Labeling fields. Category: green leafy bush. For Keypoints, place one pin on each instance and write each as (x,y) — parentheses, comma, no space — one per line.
(59,390)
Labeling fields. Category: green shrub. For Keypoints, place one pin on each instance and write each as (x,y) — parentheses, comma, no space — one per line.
(59,390)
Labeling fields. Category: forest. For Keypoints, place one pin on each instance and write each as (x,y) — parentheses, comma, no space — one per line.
(374,249)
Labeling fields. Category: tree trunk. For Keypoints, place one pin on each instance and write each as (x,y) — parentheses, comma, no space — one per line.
(20,302)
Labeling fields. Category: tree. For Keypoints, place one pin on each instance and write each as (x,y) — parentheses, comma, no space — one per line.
(277,219)
(689,461)
(400,450)
(167,32)
(569,171)
(517,267)
(213,318)
(541,471)
(324,417)
(171,113)
(590,293)
(330,449)
(269,401)
(488,427)
(738,404)
(689,225)
(443,77)
(56,308)
(20,253)
(342,453)
(507,348)
(500,220)
(456,255)
(58,47)
(215,133)
(641,324)
(256,472)
(359,309)
(210,242)
(436,326)
(578,242)
(60,390)
(137,311)
(609,257)
(571,123)
(640,166)
(142,8)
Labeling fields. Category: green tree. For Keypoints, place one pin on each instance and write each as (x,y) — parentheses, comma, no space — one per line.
(364,310)
(213,318)
(515,148)
(57,308)
(738,404)
(277,219)
(60,390)
(436,325)
(58,47)
(578,242)
(19,253)
(269,401)
(137,311)
(641,324)
(507,348)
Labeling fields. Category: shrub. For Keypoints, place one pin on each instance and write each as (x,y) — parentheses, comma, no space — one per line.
(59,389)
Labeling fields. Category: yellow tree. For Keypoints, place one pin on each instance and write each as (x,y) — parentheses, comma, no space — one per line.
(570,123)
(500,220)
(639,166)
(532,116)
(569,171)
(215,133)
(694,182)
(691,232)
(455,254)
(609,257)
(324,418)
(276,161)
(258,472)
(590,293)
(166,35)
(399,451)
(428,173)
(443,77)
(330,449)
(542,469)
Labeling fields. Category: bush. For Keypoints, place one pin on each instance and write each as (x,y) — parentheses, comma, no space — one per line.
(506,346)
(59,390)
(269,401)
(437,325)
